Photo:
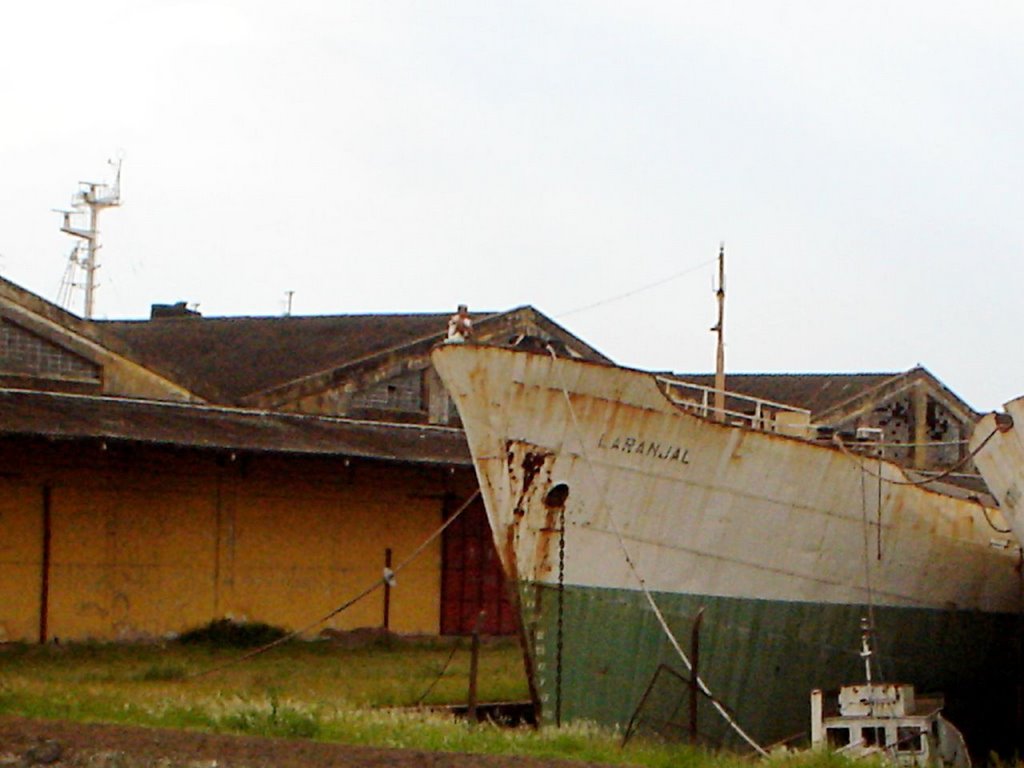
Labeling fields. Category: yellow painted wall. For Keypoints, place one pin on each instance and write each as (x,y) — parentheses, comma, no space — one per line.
(21,539)
(129,560)
(338,530)
(147,542)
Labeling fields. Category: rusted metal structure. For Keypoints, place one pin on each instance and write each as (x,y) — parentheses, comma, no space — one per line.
(784,541)
(885,720)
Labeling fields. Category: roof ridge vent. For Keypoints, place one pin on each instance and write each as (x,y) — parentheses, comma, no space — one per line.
(178,309)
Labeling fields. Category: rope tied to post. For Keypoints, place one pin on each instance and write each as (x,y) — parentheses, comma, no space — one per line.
(387,577)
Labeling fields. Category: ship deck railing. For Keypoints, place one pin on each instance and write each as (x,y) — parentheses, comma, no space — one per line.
(741,410)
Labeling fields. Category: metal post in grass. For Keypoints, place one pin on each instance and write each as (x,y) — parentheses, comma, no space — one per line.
(474,660)
(694,673)
(387,589)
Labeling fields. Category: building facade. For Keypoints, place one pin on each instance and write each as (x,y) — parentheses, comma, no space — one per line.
(157,475)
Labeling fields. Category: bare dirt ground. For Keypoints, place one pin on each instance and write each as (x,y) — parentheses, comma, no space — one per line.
(60,744)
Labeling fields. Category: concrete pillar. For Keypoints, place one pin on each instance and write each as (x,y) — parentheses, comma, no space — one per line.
(437,398)
(919,403)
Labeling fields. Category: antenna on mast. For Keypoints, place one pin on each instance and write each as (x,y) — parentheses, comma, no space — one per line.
(719,328)
(69,282)
(91,197)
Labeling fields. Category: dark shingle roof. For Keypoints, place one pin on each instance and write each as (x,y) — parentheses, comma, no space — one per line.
(817,392)
(70,417)
(224,359)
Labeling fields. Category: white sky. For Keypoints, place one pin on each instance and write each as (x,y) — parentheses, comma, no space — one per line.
(863,162)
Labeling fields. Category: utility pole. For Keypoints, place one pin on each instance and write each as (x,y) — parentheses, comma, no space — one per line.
(92,197)
(719,328)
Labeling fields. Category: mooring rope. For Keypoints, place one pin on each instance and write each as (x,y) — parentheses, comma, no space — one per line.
(436,680)
(560,641)
(993,526)
(642,582)
(944,474)
(388,576)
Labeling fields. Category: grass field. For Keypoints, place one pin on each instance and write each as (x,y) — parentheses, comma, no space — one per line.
(76,680)
(320,690)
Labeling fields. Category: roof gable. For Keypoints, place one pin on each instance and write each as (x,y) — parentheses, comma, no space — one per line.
(14,295)
(228,358)
(47,347)
(268,360)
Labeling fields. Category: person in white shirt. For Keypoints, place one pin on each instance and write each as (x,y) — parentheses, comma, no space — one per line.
(460,326)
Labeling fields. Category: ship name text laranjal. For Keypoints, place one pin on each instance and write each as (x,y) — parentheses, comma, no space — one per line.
(640,446)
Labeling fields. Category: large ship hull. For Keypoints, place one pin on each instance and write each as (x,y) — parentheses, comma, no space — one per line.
(610,504)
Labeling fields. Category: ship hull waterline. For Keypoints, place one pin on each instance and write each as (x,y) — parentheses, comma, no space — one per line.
(593,480)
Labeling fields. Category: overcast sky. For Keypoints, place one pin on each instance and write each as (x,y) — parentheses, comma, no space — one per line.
(862,161)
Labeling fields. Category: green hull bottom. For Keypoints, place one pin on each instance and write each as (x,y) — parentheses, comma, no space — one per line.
(762,658)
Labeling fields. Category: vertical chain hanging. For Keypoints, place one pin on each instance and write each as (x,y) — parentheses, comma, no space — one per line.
(561,616)
(878,512)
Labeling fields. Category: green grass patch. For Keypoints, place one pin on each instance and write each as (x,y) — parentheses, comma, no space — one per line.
(163,672)
(322,690)
(275,719)
(87,681)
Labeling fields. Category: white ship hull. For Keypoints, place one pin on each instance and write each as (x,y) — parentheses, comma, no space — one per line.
(784,542)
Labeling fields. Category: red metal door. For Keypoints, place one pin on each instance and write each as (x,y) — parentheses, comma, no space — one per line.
(472,579)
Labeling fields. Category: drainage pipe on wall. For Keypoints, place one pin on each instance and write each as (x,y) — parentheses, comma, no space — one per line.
(44,587)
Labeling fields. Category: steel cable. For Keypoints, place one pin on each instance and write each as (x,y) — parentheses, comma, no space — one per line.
(437,679)
(945,473)
(641,289)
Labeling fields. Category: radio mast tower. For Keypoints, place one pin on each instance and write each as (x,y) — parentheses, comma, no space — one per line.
(91,197)
(719,329)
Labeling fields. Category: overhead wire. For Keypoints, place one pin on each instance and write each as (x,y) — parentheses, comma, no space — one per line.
(641,289)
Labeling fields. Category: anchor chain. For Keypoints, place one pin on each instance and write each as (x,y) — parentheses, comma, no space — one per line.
(561,617)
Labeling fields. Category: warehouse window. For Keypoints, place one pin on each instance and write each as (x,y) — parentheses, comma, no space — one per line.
(24,353)
(401,393)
